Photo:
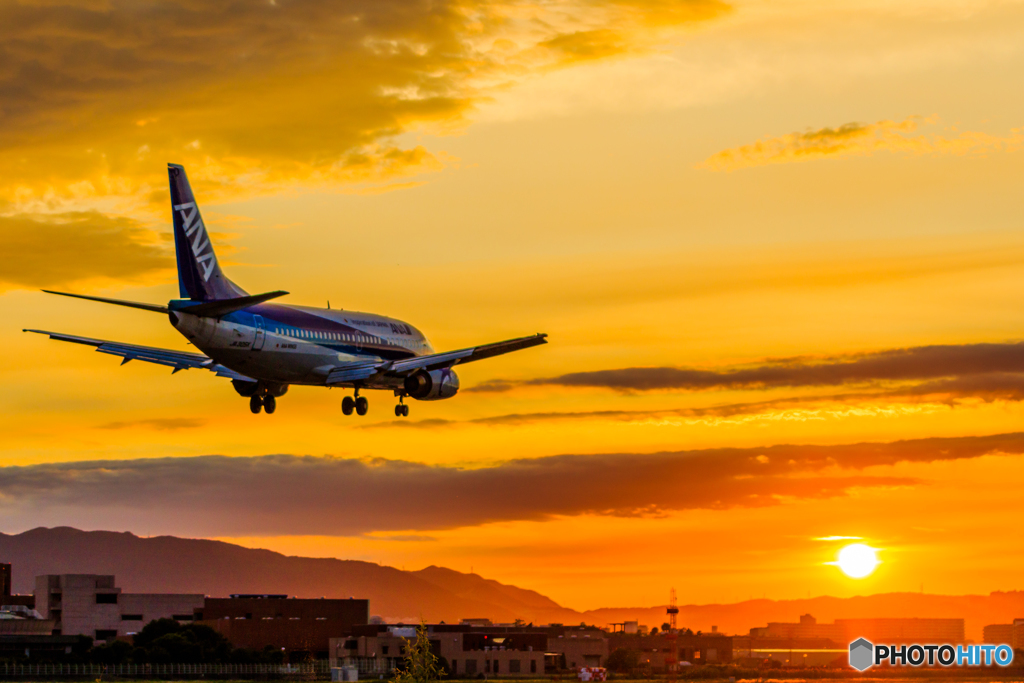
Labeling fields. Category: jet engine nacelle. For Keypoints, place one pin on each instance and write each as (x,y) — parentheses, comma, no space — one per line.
(433,385)
(246,388)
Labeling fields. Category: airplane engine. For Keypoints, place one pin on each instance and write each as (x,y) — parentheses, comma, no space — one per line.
(433,385)
(247,389)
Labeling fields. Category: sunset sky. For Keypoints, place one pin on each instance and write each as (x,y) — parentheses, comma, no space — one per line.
(778,249)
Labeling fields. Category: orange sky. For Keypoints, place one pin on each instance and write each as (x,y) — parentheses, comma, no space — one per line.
(815,206)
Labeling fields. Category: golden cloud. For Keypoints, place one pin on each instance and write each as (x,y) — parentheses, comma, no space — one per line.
(49,251)
(97,95)
(857,139)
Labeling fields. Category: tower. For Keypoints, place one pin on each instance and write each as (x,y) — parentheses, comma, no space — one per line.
(672,660)
(672,610)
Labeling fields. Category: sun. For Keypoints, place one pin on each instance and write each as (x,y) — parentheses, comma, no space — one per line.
(857,560)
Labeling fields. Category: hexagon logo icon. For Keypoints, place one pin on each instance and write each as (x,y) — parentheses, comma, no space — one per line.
(861,657)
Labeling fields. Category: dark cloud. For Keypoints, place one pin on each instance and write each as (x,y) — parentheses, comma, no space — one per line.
(283,494)
(896,365)
(950,392)
(164,424)
(50,251)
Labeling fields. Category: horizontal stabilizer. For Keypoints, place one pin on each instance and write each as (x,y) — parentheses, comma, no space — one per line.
(156,308)
(216,309)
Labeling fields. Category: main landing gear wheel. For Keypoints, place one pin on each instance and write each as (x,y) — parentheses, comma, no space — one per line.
(256,405)
(348,404)
(401,410)
(270,404)
(362,405)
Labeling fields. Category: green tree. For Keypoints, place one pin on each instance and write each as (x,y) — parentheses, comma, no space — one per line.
(421,664)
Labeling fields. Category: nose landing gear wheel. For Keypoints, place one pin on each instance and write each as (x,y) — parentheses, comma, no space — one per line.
(362,405)
(401,410)
(348,404)
(256,405)
(270,404)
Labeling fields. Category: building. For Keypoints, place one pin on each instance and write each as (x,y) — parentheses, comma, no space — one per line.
(292,624)
(659,650)
(1008,634)
(467,650)
(578,647)
(905,630)
(9,602)
(25,638)
(843,631)
(807,628)
(91,605)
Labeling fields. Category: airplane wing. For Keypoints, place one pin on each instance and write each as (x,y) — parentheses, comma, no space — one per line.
(359,371)
(179,360)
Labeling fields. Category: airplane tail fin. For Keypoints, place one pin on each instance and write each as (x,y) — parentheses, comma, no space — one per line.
(199,274)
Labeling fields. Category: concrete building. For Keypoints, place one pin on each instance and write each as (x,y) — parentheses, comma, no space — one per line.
(293,624)
(516,652)
(807,628)
(907,630)
(9,602)
(1008,634)
(578,646)
(91,605)
(658,650)
(843,631)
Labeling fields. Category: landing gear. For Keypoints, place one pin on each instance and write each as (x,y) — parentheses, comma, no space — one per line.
(358,404)
(270,404)
(256,404)
(401,410)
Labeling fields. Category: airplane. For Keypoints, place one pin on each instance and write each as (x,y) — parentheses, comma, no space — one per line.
(265,347)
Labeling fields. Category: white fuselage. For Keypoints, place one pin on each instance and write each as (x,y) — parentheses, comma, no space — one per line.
(300,344)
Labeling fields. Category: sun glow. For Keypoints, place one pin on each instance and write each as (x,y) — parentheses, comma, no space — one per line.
(857,560)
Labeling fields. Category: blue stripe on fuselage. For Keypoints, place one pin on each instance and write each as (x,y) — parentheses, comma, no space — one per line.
(290,322)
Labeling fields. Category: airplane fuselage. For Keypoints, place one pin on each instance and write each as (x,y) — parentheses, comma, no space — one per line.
(299,344)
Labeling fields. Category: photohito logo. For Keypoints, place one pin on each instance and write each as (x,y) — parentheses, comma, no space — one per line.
(864,655)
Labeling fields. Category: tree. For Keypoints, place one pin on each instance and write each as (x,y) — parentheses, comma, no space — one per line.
(654,631)
(622,660)
(666,626)
(165,640)
(421,664)
(116,652)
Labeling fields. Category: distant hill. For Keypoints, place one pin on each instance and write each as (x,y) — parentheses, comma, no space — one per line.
(166,564)
(179,565)
(737,618)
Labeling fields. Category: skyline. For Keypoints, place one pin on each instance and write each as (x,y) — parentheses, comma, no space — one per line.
(777,248)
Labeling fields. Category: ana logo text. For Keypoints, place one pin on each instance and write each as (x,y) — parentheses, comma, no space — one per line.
(201,243)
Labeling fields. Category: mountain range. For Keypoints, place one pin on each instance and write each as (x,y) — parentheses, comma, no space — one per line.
(167,564)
